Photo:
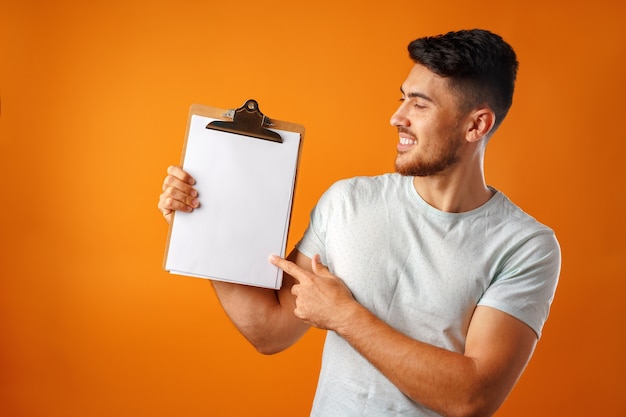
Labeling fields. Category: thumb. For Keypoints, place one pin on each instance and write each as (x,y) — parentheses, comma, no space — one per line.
(318,267)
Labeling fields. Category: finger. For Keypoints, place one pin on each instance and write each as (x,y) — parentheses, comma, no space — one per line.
(280,262)
(289,267)
(169,203)
(318,267)
(172,196)
(175,182)
(294,289)
(166,212)
(181,174)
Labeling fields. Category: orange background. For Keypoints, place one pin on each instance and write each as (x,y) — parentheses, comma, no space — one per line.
(94,100)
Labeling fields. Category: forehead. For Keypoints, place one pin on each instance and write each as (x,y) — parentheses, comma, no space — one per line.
(422,82)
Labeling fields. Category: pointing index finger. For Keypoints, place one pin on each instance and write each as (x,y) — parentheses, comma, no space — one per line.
(287,266)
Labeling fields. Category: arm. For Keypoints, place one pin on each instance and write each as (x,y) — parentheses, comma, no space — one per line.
(264,316)
(476,382)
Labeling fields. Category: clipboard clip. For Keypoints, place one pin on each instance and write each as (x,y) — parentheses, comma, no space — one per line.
(247,121)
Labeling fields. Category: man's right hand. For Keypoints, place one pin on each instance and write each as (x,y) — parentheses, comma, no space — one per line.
(178,193)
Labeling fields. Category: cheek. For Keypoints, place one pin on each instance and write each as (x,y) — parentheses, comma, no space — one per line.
(429,136)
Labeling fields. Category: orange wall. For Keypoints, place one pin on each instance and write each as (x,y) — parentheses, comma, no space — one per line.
(94,98)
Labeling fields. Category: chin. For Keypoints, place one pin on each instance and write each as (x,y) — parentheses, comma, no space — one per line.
(403,167)
(406,172)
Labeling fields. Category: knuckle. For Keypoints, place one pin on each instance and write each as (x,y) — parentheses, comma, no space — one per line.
(169,203)
(167,191)
(172,169)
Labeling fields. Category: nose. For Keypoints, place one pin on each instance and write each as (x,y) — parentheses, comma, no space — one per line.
(399,118)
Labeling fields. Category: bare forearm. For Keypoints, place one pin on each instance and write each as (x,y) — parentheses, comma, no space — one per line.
(447,382)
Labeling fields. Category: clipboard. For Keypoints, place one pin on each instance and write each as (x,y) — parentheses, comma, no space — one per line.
(245,166)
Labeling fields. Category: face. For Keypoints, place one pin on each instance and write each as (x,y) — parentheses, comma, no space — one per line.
(430,125)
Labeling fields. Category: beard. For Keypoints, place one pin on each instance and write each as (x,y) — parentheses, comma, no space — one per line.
(440,160)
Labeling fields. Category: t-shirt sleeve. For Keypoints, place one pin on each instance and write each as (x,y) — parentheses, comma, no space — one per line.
(527,281)
(314,239)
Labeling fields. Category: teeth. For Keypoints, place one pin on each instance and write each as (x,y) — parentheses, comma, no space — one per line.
(406,141)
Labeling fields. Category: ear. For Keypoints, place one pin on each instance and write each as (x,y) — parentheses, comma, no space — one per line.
(481,122)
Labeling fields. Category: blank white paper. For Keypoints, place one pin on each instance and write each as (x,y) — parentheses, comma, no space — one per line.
(245,188)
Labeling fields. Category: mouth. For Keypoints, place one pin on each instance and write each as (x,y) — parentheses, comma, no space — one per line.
(405,143)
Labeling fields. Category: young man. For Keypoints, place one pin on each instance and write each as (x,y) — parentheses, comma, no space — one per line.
(433,286)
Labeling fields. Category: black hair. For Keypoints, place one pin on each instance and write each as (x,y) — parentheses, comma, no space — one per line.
(479,64)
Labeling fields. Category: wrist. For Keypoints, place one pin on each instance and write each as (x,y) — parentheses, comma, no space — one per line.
(351,317)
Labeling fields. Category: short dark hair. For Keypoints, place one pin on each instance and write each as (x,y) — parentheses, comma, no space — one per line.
(479,64)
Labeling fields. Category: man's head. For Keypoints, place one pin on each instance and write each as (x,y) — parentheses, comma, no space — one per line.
(478,64)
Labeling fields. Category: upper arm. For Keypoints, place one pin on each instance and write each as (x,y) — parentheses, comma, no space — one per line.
(264,316)
(285,297)
(501,346)
(287,328)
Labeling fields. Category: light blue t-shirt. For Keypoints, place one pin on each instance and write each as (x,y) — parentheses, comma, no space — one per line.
(422,271)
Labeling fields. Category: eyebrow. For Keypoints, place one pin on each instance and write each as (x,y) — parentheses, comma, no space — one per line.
(416,94)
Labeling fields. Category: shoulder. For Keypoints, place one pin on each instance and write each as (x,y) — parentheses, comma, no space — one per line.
(515,219)
(367,185)
(528,247)
(526,267)
(519,238)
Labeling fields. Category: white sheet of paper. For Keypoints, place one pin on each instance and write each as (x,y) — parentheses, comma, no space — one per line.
(245,188)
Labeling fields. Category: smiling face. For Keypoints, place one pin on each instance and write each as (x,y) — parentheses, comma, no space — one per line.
(430,125)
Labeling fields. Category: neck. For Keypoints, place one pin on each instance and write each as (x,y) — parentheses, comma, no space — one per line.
(460,189)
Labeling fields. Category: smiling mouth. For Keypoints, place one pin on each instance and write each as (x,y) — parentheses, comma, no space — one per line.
(407,141)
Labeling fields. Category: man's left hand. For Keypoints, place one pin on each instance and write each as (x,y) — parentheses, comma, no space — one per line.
(322,299)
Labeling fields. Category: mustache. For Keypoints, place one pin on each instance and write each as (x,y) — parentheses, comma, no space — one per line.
(406,131)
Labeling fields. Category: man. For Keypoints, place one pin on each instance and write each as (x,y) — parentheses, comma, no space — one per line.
(433,286)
